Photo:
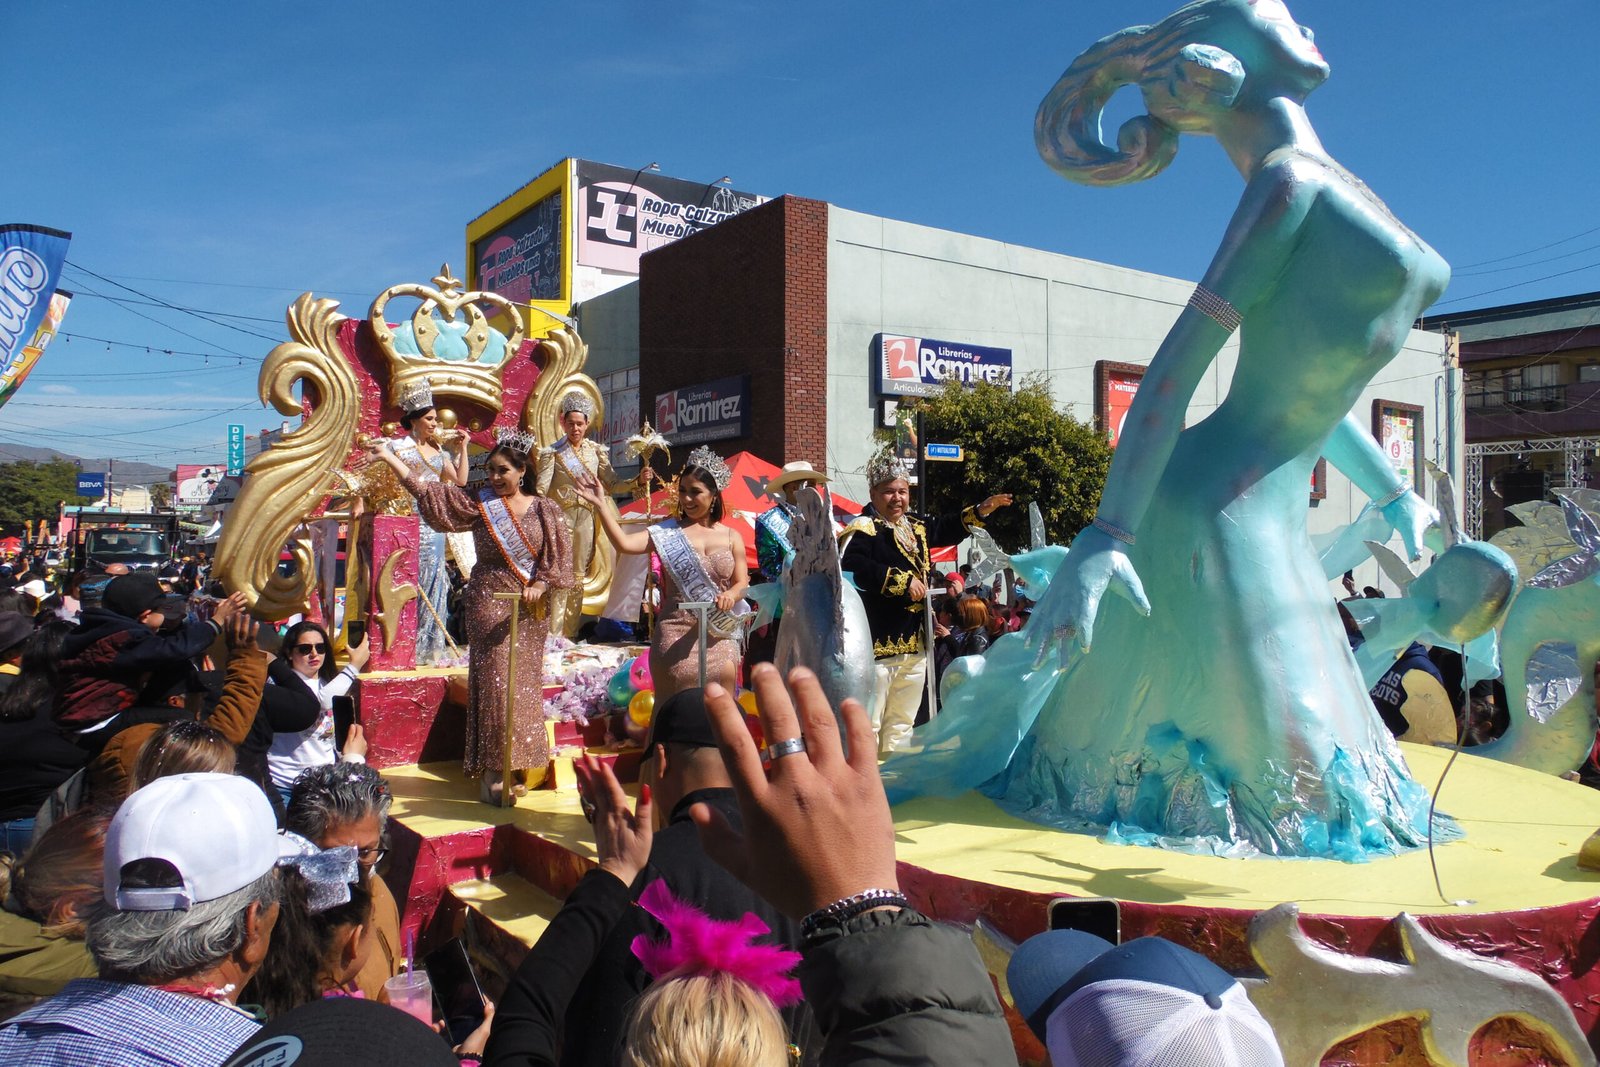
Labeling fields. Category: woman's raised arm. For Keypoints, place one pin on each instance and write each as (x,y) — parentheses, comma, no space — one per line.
(632,543)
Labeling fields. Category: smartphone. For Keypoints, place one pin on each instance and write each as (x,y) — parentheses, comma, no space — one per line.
(456,987)
(355,633)
(1100,916)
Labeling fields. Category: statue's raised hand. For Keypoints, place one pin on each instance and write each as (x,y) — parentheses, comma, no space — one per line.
(1412,517)
(1067,612)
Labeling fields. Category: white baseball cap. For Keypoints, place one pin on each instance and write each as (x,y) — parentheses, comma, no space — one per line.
(1148,1002)
(217,831)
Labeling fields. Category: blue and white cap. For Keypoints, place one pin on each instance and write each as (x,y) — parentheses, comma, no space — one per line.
(1146,1003)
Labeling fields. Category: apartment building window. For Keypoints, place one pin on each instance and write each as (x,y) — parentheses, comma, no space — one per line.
(1589,372)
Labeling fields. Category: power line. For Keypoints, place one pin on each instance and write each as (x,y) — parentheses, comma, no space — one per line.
(1518,285)
(130,302)
(163,325)
(157,350)
(1525,266)
(203,317)
(241,285)
(1531,251)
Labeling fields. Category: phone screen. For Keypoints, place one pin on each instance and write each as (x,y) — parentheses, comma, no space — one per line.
(355,633)
(456,987)
(1100,916)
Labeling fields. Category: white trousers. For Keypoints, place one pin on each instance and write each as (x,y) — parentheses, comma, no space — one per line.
(902,680)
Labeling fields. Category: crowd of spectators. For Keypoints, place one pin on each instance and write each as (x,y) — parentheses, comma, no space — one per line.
(193,874)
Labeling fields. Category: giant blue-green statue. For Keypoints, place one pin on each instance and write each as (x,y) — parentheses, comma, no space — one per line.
(1213,702)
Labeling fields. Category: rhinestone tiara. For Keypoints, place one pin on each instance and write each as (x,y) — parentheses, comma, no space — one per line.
(708,460)
(521,440)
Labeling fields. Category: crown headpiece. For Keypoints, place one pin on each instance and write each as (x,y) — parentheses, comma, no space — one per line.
(417,397)
(576,401)
(521,440)
(709,461)
(885,466)
(458,356)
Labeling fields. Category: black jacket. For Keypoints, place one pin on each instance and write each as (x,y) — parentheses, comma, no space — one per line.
(896,988)
(883,569)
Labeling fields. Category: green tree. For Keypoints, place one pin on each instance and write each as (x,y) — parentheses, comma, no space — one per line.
(1017,442)
(31,490)
(160,495)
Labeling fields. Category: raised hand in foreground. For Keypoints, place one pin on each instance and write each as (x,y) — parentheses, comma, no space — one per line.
(622,840)
(817,827)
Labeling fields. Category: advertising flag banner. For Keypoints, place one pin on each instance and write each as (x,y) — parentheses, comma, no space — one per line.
(31,258)
(235,449)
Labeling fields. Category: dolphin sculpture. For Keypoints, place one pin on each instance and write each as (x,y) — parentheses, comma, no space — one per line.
(824,624)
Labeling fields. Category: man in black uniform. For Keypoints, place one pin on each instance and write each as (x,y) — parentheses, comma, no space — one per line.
(887,553)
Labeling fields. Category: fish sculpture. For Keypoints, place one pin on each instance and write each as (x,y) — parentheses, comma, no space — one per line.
(1550,642)
(1315,997)
(1034,566)
(824,623)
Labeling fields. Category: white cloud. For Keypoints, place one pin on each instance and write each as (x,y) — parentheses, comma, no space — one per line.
(58,390)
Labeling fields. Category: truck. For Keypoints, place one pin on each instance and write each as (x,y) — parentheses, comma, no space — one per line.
(140,539)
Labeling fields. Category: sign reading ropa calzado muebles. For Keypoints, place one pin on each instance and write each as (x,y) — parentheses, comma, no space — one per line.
(919,366)
(623,214)
(711,411)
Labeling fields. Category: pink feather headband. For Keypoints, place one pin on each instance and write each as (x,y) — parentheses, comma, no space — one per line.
(698,944)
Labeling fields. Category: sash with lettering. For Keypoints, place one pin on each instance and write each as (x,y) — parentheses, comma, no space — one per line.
(570,460)
(689,573)
(507,533)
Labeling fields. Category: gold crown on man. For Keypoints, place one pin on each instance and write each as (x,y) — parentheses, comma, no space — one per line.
(477,378)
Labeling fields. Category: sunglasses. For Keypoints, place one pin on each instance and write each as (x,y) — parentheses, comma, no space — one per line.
(310,650)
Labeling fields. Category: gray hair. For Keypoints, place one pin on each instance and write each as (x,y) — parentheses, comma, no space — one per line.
(336,794)
(151,947)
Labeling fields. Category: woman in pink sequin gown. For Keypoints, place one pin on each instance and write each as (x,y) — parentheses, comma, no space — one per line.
(546,558)
(675,646)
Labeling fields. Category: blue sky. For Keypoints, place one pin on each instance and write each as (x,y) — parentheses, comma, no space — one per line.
(226,157)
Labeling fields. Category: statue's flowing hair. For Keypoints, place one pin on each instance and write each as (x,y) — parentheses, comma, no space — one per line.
(1174,69)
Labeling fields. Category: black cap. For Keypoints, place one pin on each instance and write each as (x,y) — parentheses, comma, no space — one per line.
(133,594)
(682,720)
(344,1032)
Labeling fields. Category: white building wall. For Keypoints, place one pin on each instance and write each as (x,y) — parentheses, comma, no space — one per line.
(1058,315)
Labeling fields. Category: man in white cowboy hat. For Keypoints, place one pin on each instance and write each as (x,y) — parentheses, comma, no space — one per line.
(887,554)
(558,468)
(773,547)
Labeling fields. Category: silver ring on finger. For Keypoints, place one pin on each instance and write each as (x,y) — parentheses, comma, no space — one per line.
(779,749)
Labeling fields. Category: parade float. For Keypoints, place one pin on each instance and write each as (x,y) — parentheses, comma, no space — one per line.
(1209,769)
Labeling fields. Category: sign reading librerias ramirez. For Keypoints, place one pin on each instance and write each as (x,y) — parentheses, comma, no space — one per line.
(919,366)
(711,411)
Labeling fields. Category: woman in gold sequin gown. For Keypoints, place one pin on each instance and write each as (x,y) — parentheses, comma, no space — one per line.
(675,647)
(544,530)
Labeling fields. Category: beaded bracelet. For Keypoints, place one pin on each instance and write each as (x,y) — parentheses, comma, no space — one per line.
(1112,530)
(848,908)
(1215,308)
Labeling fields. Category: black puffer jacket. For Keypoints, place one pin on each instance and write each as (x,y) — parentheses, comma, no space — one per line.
(893,988)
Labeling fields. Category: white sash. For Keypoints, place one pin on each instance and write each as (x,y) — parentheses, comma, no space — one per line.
(570,460)
(406,449)
(689,574)
(508,534)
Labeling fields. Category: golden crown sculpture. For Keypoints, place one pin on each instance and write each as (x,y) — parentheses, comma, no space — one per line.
(476,378)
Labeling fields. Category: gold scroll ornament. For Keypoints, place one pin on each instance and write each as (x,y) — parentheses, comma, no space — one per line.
(288,482)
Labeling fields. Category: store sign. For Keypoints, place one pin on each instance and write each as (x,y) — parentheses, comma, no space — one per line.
(92,486)
(196,483)
(624,213)
(235,449)
(521,260)
(919,366)
(1121,388)
(714,411)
